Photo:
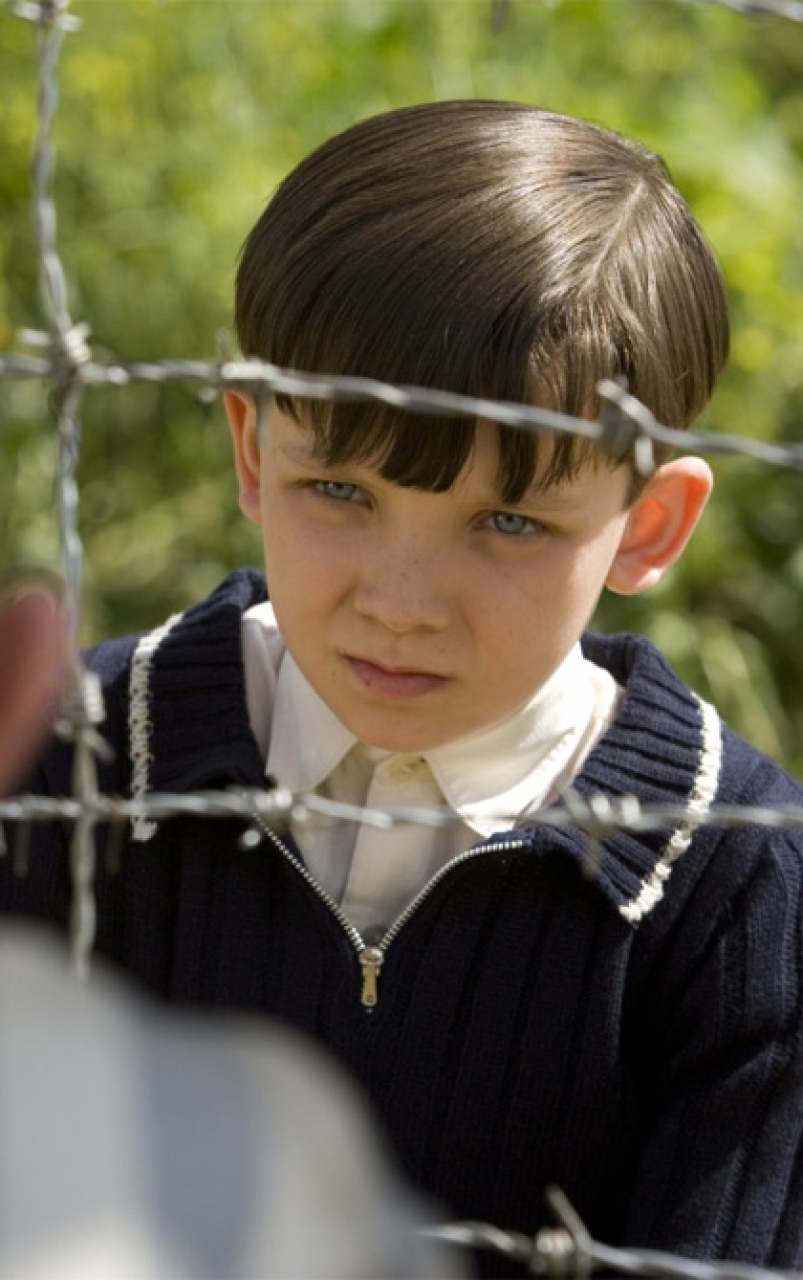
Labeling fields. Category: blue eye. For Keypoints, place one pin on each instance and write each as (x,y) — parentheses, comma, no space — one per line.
(512,525)
(339,490)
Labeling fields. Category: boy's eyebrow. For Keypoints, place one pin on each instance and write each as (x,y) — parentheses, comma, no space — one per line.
(557,496)
(300,452)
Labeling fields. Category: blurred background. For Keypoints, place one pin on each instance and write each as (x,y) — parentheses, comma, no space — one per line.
(179,118)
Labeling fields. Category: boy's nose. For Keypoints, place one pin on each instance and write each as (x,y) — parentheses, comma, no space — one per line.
(402,589)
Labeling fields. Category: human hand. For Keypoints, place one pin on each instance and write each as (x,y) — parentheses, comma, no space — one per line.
(33,647)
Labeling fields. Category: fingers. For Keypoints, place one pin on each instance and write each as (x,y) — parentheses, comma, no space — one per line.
(33,643)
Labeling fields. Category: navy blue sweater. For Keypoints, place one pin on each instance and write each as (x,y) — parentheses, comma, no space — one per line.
(636,1038)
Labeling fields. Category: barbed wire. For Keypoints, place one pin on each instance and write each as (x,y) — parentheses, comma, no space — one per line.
(596,816)
(568,1250)
(625,425)
(66,363)
(789,9)
(64,359)
(67,356)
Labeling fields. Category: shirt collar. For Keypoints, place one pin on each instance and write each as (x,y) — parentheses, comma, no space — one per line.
(307,740)
(511,767)
(505,769)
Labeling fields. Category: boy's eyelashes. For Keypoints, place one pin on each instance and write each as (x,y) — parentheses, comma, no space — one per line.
(338,490)
(511,524)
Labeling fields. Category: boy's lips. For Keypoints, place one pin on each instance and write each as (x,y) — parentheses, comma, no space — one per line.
(399,682)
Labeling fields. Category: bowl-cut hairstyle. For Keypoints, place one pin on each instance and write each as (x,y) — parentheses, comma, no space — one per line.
(488,248)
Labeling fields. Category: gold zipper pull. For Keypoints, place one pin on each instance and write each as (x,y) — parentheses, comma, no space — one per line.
(371,959)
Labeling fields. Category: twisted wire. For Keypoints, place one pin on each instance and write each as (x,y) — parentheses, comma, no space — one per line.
(789,9)
(66,359)
(568,1250)
(626,423)
(63,357)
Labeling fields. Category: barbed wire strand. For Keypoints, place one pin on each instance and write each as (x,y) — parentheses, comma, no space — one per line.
(789,9)
(66,363)
(598,817)
(625,423)
(67,357)
(568,1250)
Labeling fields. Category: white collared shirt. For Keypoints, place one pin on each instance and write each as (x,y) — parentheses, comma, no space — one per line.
(491,779)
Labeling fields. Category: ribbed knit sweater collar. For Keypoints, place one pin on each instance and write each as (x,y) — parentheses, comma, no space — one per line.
(188,729)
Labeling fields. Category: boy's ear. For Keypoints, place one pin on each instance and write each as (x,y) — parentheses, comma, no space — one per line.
(241,411)
(660,524)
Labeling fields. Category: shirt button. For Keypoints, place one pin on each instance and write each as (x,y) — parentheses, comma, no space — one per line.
(409,766)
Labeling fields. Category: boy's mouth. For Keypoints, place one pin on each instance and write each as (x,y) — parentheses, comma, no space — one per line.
(399,683)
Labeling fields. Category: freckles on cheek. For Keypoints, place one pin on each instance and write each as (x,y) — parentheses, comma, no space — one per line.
(544,582)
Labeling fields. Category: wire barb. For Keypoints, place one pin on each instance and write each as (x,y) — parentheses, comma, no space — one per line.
(568,1250)
(61,354)
(68,351)
(47,13)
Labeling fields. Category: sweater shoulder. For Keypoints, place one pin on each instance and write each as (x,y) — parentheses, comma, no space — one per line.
(751,777)
(201,638)
(747,775)
(218,614)
(667,746)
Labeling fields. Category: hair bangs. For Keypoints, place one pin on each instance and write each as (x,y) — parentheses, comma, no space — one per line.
(429,451)
(417,451)
(418,346)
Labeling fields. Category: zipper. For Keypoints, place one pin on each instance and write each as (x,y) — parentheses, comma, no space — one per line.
(372,957)
(352,933)
(476,850)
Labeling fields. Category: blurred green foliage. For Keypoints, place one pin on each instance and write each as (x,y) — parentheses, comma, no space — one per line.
(179,118)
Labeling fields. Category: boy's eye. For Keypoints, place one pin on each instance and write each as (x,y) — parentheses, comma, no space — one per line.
(508,522)
(337,489)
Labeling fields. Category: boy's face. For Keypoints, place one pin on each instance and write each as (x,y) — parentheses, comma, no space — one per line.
(420,618)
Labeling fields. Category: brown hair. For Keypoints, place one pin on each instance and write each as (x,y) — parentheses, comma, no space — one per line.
(489,248)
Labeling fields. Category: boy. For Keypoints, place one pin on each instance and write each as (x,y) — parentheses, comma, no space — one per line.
(635,1038)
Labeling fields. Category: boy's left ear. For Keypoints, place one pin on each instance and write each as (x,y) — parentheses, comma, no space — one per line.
(661,521)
